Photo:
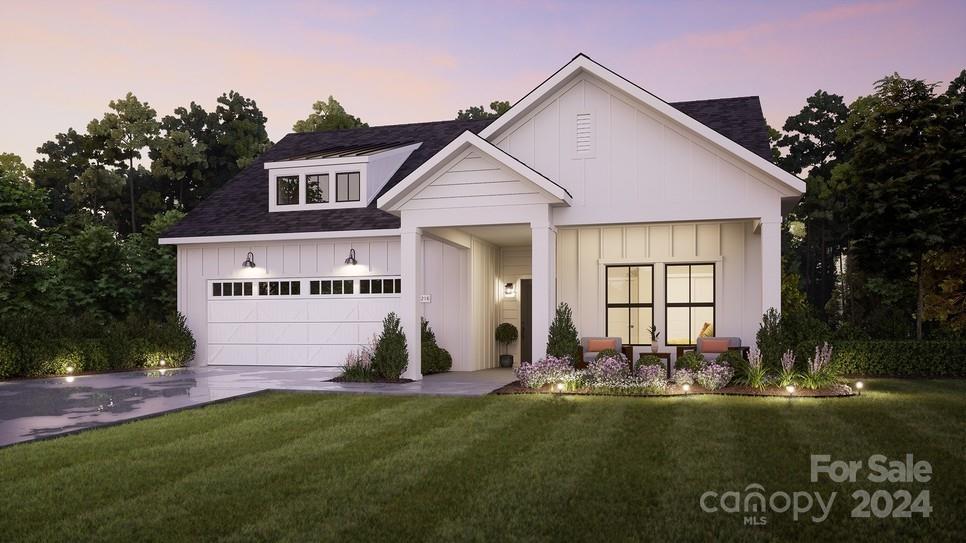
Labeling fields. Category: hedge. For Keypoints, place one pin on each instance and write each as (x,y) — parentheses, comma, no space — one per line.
(907,358)
(36,345)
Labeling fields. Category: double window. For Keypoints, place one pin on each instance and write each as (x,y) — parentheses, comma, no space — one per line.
(630,303)
(347,187)
(690,302)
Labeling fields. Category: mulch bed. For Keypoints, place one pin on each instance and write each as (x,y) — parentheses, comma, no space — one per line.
(342,379)
(834,392)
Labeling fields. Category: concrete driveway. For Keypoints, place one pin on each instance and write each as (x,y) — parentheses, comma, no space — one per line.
(39,408)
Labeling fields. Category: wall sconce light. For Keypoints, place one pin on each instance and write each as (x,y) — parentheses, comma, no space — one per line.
(509,290)
(352,258)
(250,261)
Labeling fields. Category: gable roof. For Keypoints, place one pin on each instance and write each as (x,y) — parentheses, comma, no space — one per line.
(393,198)
(790,185)
(240,207)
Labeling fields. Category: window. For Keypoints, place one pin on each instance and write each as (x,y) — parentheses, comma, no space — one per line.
(347,187)
(317,189)
(287,190)
(231,289)
(380,286)
(279,288)
(326,287)
(630,303)
(690,302)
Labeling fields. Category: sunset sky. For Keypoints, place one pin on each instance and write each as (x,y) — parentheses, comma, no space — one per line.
(397,62)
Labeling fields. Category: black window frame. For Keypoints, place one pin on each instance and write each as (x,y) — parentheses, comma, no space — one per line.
(690,304)
(278,189)
(318,177)
(338,193)
(628,305)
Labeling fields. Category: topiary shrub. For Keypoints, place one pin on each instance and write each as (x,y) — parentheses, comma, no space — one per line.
(689,361)
(434,359)
(391,356)
(562,339)
(769,339)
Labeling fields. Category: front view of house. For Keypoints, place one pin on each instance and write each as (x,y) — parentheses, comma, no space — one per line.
(589,190)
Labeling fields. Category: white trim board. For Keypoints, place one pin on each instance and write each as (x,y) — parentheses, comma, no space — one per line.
(389,232)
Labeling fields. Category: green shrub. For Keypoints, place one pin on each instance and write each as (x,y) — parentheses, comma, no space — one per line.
(690,361)
(608,353)
(650,360)
(391,357)
(434,359)
(905,358)
(506,334)
(562,339)
(731,359)
(769,339)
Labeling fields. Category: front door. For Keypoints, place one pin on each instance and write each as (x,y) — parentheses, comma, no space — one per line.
(526,318)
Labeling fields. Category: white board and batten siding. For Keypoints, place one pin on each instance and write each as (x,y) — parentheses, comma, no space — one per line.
(476,181)
(584,252)
(624,162)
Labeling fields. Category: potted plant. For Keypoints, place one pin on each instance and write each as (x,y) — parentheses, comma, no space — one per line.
(652,329)
(506,334)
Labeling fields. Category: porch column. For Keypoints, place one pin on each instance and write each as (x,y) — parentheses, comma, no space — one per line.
(771,264)
(544,297)
(411,271)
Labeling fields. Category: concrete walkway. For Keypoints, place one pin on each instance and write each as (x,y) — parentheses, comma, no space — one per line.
(38,408)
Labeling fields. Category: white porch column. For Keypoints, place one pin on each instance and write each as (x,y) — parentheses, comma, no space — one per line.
(544,298)
(411,271)
(771,264)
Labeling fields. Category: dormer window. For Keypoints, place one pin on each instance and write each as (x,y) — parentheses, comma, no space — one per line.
(317,188)
(347,187)
(337,178)
(287,190)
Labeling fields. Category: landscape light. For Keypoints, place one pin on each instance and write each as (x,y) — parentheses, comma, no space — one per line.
(70,369)
(249,261)
(859,386)
(790,389)
(162,362)
(686,388)
(560,387)
(69,378)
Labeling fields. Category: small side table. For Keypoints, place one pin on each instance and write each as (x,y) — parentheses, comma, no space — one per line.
(664,356)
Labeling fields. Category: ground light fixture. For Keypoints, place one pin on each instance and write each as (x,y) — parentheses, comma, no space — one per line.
(162,362)
(70,369)
(790,389)
(352,258)
(686,388)
(859,385)
(560,387)
(249,261)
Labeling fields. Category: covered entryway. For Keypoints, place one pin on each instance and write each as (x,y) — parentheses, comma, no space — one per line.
(468,185)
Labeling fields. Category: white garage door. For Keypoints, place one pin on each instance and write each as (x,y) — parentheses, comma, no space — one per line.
(295,322)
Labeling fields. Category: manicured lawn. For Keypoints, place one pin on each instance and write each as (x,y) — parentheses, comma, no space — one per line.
(374,468)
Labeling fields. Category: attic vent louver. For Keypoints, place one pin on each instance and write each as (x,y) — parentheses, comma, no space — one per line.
(584,134)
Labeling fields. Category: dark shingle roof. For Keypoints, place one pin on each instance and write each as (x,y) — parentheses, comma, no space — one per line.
(241,206)
(738,119)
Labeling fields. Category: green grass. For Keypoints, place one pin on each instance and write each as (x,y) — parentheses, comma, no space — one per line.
(301,467)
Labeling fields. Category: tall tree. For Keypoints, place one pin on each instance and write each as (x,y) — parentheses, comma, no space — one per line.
(20,204)
(813,151)
(130,127)
(328,115)
(473,113)
(902,206)
(64,159)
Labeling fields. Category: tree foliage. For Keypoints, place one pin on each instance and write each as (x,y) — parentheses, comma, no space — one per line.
(474,113)
(328,115)
(562,339)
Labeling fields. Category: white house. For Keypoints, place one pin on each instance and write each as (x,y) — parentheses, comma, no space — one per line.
(589,190)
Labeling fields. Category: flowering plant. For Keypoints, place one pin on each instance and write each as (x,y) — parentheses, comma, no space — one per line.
(788,375)
(714,376)
(683,376)
(608,371)
(652,378)
(755,374)
(544,371)
(818,371)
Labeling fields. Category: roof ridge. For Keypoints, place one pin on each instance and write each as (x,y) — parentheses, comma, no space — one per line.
(423,123)
(718,99)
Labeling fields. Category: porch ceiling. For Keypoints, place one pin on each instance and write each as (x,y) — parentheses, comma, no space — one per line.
(503,235)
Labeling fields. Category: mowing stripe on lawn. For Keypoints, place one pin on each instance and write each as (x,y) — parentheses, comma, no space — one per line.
(348,504)
(215,508)
(100,480)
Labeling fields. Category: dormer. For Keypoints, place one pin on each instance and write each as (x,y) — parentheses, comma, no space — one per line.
(334,178)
